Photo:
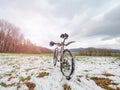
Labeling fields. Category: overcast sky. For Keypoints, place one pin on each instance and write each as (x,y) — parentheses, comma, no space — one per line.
(91,23)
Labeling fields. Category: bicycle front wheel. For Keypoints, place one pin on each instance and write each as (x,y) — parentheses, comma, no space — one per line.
(67,65)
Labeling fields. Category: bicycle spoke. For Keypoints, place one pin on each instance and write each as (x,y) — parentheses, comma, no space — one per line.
(67,66)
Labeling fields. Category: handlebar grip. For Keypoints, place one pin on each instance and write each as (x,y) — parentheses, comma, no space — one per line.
(62,36)
(52,43)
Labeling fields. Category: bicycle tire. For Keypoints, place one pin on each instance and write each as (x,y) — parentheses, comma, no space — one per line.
(63,63)
(55,57)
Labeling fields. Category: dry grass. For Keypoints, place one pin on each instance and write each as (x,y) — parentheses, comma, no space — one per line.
(6,85)
(104,83)
(30,69)
(43,74)
(108,74)
(86,70)
(78,80)
(66,87)
(9,74)
(24,79)
(30,85)
(10,78)
(3,84)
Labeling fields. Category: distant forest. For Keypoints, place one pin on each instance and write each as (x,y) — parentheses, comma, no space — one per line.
(13,41)
(96,51)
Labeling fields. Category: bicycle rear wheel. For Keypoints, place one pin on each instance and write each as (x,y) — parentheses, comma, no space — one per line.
(55,57)
(67,65)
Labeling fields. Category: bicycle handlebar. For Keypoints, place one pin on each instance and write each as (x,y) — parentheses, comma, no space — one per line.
(64,36)
(69,43)
(60,44)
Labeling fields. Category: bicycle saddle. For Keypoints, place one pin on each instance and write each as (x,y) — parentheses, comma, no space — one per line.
(65,36)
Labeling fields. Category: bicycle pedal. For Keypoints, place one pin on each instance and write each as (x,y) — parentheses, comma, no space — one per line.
(54,64)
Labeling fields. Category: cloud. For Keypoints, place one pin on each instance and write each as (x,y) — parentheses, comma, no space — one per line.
(89,22)
(97,24)
(110,24)
(68,9)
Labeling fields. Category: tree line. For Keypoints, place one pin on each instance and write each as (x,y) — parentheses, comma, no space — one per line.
(99,52)
(13,41)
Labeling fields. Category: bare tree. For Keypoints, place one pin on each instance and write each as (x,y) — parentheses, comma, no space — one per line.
(13,41)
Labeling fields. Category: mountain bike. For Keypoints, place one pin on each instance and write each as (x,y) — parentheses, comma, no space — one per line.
(67,64)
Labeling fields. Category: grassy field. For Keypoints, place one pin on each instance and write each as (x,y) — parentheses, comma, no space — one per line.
(36,72)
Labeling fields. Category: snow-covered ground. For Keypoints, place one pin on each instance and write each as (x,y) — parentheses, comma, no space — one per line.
(22,72)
